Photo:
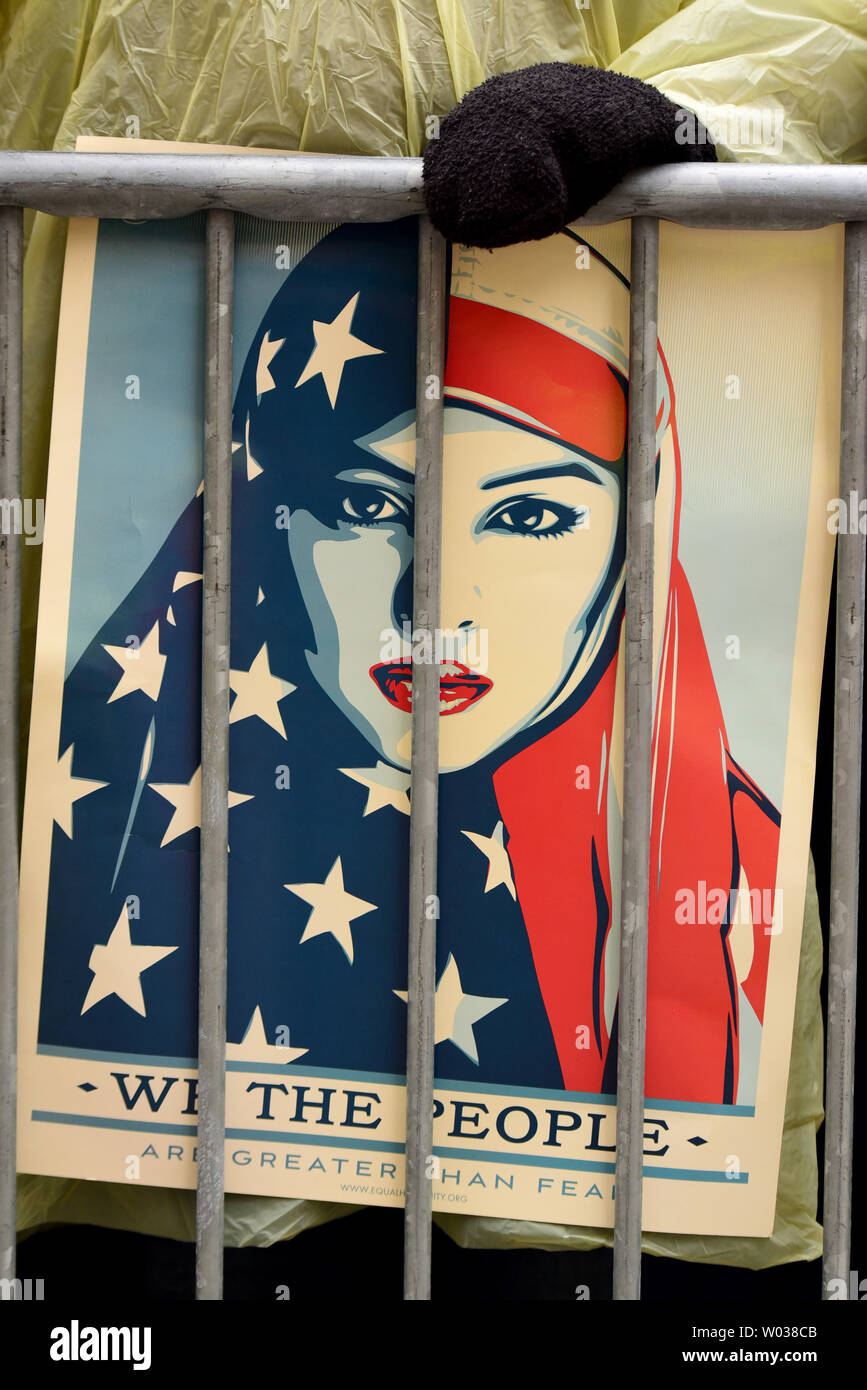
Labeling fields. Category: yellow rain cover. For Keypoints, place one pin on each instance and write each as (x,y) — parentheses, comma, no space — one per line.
(783,81)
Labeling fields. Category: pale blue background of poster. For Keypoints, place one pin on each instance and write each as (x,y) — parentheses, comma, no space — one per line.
(141,460)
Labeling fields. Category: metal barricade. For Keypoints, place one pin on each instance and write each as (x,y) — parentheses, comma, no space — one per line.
(341,188)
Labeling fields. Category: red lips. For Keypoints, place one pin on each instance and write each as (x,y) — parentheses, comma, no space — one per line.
(460,687)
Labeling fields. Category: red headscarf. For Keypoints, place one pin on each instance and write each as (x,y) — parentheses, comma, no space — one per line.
(711,826)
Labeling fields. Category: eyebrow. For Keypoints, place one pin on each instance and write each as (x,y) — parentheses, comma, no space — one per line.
(391,470)
(560,468)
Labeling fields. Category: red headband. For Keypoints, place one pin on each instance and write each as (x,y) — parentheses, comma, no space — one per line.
(529,368)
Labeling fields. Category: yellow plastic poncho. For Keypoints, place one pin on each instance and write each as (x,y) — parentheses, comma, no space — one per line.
(335,78)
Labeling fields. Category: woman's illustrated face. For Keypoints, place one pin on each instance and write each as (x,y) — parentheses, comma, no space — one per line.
(530,530)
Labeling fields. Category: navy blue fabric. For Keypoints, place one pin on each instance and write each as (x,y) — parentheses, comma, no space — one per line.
(346,1015)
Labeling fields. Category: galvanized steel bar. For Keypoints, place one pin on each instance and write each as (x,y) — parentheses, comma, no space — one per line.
(776,197)
(359,188)
(213,885)
(11,266)
(846,804)
(632,1004)
(424,768)
(347,188)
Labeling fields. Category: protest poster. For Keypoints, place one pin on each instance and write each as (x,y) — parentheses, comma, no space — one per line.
(531,733)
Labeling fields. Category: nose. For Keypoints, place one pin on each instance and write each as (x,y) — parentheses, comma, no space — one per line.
(461,603)
(450,601)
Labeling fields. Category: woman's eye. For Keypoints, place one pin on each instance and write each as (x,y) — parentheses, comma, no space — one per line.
(533,517)
(369,505)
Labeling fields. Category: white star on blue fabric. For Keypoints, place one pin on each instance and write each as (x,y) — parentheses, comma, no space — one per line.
(456,1013)
(333,908)
(499,864)
(335,346)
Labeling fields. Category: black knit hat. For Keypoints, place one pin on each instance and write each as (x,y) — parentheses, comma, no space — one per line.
(529,151)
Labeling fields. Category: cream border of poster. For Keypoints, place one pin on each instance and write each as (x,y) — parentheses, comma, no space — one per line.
(526,1183)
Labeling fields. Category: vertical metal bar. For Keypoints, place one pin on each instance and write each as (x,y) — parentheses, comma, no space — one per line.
(846,805)
(425,762)
(632,1005)
(213,885)
(11,264)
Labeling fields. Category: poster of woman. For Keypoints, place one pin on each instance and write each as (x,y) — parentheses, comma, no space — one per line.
(530,652)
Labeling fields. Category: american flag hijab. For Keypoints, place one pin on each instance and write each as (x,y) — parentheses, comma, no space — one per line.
(319,806)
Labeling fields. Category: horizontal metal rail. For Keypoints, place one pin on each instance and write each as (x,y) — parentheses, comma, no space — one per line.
(364,188)
(341,188)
